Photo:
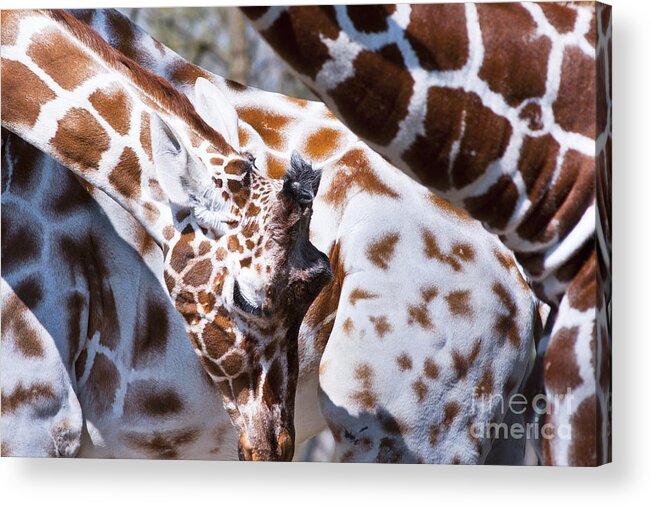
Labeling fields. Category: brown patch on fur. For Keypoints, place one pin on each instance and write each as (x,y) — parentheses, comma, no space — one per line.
(560,366)
(485,385)
(420,389)
(495,207)
(381,251)
(151,212)
(183,252)
(561,17)
(10,26)
(327,301)
(430,369)
(28,233)
(125,177)
(268,125)
(114,105)
(355,173)
(373,107)
(520,72)
(62,60)
(583,447)
(458,303)
(563,201)
(296,36)
(75,305)
(151,333)
(360,294)
(26,338)
(438,35)
(507,261)
(482,141)
(186,73)
(102,384)
(322,143)
(464,251)
(233,244)
(30,290)
(461,363)
(582,293)
(429,293)
(577,73)
(161,444)
(199,274)
(18,107)
(532,113)
(80,364)
(506,324)
(450,411)
(150,398)
(432,250)
(448,208)
(381,324)
(232,364)
(404,362)
(72,197)
(366,398)
(390,424)
(419,314)
(21,396)
(217,340)
(370,18)
(145,134)
(348,325)
(80,139)
(5,449)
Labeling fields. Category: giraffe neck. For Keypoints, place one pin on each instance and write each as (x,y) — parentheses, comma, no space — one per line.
(84,104)
(489,124)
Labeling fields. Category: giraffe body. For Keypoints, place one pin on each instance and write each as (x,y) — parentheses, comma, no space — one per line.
(87,308)
(344,210)
(504,110)
(238,262)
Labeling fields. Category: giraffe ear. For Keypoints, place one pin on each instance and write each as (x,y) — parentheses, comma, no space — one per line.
(215,109)
(182,177)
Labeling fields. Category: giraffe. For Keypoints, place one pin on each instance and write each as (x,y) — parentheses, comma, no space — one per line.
(82,287)
(269,125)
(352,391)
(239,266)
(503,110)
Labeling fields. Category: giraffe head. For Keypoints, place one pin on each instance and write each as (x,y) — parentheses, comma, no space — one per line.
(242,272)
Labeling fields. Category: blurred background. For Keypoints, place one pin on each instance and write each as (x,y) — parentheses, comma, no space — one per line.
(220,40)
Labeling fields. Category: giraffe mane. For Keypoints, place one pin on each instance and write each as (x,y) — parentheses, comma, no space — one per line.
(168,98)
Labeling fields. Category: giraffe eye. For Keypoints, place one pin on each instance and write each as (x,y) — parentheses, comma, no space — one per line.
(242,303)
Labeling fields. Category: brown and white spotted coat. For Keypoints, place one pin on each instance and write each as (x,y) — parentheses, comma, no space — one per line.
(375,420)
(504,110)
(238,263)
(106,342)
(271,126)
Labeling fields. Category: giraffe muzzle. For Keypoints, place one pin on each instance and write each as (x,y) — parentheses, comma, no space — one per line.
(280,449)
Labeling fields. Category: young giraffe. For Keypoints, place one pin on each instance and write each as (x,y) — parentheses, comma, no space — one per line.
(272,125)
(465,359)
(238,263)
(504,110)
